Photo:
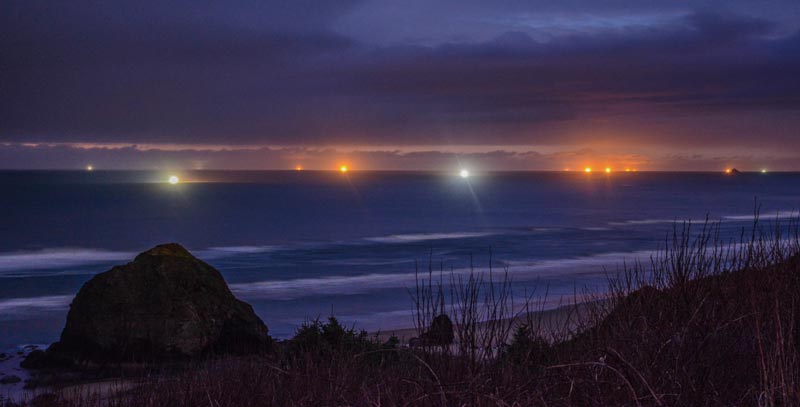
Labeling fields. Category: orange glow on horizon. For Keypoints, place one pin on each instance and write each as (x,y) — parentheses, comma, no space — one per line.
(298,168)
(605,170)
(343,168)
(728,170)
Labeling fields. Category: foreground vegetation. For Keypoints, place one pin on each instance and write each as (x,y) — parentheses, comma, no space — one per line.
(705,322)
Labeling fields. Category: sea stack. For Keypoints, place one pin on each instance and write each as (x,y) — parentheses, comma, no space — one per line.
(166,304)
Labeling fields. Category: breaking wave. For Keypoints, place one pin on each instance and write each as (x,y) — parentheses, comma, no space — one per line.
(16,263)
(422,237)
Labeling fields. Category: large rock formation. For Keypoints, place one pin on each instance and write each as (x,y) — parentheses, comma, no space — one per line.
(166,304)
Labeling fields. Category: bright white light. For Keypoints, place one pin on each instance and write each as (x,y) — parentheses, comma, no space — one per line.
(464,173)
(89,168)
(173,180)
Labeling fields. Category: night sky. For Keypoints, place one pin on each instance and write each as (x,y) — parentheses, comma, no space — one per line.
(414,84)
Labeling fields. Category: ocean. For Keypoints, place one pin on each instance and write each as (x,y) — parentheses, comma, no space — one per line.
(298,245)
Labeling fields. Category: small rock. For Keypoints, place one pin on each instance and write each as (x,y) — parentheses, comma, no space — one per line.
(440,332)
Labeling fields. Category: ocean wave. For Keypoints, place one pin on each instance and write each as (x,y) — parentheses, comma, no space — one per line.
(765,216)
(32,305)
(13,262)
(641,222)
(545,229)
(363,262)
(243,249)
(72,261)
(227,251)
(523,270)
(309,287)
(422,237)
(582,264)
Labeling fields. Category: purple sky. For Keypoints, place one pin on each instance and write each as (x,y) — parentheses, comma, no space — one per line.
(655,85)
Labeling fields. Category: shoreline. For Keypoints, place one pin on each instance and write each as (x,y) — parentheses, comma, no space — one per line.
(562,319)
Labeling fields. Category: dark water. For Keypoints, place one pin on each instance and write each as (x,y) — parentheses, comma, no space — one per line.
(298,245)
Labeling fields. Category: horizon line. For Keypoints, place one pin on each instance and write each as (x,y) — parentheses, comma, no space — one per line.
(352,170)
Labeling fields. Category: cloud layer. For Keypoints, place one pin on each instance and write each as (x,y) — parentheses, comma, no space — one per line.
(654,79)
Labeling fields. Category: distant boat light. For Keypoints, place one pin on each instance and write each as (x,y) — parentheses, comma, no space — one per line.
(299,168)
(89,168)
(343,168)
(173,180)
(764,171)
(588,169)
(464,173)
(608,170)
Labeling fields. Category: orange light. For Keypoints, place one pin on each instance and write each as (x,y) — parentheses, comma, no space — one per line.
(298,168)
(608,170)
(627,170)
(343,168)
(728,170)
(588,169)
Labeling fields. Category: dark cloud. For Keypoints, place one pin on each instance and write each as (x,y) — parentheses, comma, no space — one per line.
(443,21)
(579,74)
